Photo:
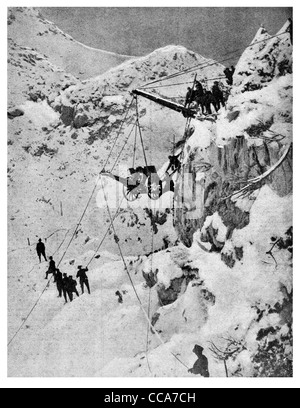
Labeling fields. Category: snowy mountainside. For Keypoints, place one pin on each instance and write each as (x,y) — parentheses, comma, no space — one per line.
(36,76)
(264,60)
(85,100)
(230,289)
(227,286)
(29,28)
(53,165)
(59,124)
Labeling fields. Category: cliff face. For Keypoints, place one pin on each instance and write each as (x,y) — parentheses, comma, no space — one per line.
(234,212)
(244,143)
(231,168)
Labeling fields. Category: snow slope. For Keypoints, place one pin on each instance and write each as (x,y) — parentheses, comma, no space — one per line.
(53,166)
(30,29)
(228,284)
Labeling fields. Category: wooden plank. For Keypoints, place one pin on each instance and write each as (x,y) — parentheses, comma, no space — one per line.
(165,102)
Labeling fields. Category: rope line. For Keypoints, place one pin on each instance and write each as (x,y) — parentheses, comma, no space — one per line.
(125,144)
(119,132)
(184,83)
(132,283)
(36,303)
(76,229)
(134,150)
(149,305)
(96,184)
(189,70)
(140,131)
(205,65)
(107,231)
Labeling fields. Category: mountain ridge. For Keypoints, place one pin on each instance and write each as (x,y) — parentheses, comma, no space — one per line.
(28,27)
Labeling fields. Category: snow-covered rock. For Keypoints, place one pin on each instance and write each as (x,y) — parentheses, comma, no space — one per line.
(30,29)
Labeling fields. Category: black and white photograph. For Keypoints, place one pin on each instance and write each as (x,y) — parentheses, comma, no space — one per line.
(150,192)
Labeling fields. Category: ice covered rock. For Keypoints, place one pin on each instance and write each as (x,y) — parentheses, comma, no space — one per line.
(15,112)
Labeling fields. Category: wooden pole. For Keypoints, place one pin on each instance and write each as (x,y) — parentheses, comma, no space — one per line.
(226,369)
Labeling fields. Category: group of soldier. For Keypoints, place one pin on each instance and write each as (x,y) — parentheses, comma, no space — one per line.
(204,98)
(66,285)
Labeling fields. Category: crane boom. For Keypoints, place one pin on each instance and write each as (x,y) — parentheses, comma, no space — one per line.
(187,112)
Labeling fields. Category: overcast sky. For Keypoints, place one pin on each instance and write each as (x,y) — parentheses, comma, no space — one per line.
(211,32)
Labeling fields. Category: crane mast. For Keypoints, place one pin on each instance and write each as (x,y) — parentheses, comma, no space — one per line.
(187,112)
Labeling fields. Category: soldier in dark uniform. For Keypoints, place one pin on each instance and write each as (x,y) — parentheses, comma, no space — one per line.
(52,267)
(72,288)
(218,96)
(208,101)
(199,87)
(174,163)
(58,279)
(83,279)
(201,365)
(65,282)
(190,97)
(41,250)
(199,95)
(229,75)
(120,297)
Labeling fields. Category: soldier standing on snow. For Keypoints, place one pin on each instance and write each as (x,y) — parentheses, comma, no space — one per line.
(52,267)
(218,96)
(201,365)
(40,249)
(72,288)
(60,284)
(83,279)
(65,282)
(120,297)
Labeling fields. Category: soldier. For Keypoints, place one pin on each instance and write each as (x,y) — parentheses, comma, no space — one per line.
(199,88)
(229,75)
(218,96)
(199,95)
(174,163)
(65,282)
(190,97)
(60,284)
(51,268)
(83,279)
(40,249)
(208,101)
(201,365)
(72,288)
(120,297)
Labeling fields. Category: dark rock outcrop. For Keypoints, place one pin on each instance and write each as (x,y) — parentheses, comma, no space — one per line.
(67,115)
(14,113)
(230,169)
